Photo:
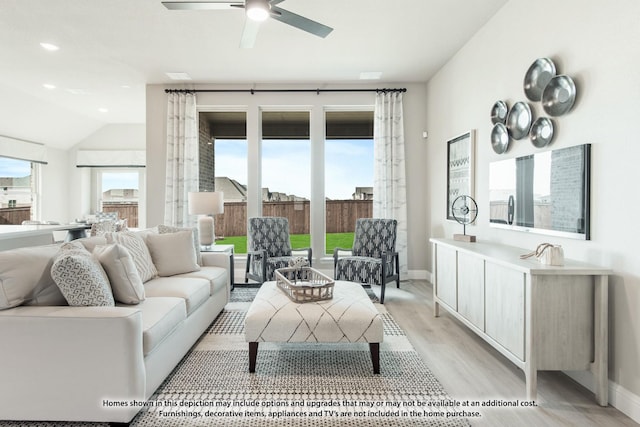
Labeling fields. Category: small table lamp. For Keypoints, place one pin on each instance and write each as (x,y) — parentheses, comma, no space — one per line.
(206,204)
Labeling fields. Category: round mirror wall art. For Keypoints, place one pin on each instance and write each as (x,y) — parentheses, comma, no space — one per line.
(538,77)
(519,120)
(499,138)
(499,112)
(559,95)
(541,132)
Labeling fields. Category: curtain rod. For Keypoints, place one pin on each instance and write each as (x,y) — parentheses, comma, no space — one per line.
(253,91)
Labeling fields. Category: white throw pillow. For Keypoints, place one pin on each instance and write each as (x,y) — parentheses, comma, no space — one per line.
(81,279)
(125,281)
(139,252)
(163,229)
(173,253)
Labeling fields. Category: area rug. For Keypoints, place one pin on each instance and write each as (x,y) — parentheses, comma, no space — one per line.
(295,384)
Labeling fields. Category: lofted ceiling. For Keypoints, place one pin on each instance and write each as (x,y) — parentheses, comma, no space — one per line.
(110,50)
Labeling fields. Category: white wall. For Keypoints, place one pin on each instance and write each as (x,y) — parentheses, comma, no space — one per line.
(119,136)
(414,109)
(54,185)
(597,43)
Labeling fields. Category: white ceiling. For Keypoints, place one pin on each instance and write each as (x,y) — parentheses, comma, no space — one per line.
(109,51)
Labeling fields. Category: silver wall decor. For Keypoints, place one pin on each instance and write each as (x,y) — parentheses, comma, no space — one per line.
(556,93)
(499,112)
(519,120)
(499,138)
(541,133)
(538,76)
(559,95)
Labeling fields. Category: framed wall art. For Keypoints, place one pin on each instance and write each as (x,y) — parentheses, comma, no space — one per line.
(460,169)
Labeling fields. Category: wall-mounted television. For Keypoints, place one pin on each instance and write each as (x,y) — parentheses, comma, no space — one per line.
(544,192)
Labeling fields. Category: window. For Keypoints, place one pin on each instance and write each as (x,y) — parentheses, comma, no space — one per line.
(310,164)
(348,174)
(119,191)
(286,171)
(223,167)
(18,182)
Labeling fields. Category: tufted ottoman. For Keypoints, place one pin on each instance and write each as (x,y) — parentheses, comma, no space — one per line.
(348,317)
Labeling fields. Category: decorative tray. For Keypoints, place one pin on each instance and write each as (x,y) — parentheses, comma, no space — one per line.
(304,284)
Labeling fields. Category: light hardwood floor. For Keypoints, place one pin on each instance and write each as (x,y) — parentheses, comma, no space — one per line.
(470,369)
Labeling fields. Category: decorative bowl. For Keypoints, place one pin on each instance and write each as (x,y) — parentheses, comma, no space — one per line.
(541,132)
(538,76)
(499,138)
(519,120)
(499,112)
(559,95)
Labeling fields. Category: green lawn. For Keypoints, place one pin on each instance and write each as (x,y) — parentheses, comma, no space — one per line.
(341,240)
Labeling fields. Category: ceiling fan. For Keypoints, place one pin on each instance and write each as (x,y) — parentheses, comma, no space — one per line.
(256,11)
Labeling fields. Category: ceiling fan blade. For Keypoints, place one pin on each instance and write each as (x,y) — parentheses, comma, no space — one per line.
(249,33)
(201,5)
(300,22)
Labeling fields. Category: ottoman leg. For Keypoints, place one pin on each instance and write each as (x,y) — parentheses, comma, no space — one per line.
(374,348)
(253,355)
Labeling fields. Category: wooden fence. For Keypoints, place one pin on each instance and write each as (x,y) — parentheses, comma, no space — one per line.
(125,210)
(341,216)
(15,216)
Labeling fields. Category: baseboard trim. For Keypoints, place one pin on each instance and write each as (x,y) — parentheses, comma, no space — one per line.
(619,397)
(418,275)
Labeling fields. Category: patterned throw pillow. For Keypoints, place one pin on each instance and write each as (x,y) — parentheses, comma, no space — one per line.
(163,229)
(125,281)
(139,252)
(81,279)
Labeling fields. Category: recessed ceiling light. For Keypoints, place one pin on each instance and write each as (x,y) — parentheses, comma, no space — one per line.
(49,86)
(178,76)
(125,87)
(49,46)
(103,110)
(371,75)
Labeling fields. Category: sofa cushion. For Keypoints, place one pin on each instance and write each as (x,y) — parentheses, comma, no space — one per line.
(164,229)
(125,281)
(160,316)
(138,250)
(90,243)
(173,253)
(193,290)
(81,279)
(25,277)
(216,276)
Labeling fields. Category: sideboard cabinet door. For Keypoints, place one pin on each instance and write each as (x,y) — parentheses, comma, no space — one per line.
(446,275)
(505,304)
(471,288)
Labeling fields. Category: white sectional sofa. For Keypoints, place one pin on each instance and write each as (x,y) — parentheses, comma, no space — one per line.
(97,363)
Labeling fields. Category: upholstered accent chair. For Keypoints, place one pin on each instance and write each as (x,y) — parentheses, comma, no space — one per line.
(373,258)
(270,248)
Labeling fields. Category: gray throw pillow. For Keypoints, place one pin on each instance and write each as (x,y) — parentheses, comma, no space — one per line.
(81,279)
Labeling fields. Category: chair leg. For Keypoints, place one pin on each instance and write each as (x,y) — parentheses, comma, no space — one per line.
(246,273)
(382,292)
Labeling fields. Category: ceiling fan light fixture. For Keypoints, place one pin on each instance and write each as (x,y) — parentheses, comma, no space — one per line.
(257,10)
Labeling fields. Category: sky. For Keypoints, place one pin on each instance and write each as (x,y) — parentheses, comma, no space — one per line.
(286,165)
(11,168)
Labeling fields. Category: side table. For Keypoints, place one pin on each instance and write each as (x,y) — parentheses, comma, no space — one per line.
(227,249)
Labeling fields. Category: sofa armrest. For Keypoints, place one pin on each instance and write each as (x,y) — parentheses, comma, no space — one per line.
(215,259)
(67,363)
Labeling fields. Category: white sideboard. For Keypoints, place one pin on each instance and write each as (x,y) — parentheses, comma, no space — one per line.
(540,317)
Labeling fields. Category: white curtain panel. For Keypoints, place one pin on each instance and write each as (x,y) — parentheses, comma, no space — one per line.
(389,182)
(182,158)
